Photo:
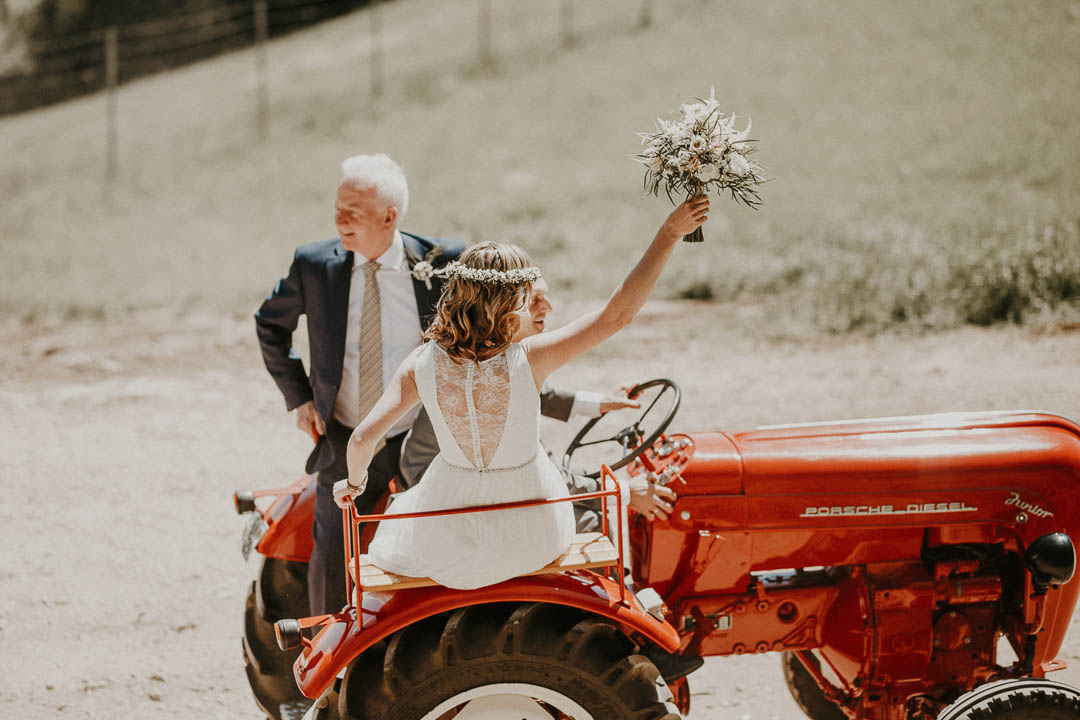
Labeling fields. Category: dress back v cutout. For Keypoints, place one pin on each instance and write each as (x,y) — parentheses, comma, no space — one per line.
(486,414)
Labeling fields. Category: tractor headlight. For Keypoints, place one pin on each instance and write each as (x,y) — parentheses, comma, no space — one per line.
(244,500)
(287,633)
(1051,560)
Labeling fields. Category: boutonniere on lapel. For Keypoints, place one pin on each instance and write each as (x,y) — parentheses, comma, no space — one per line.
(424,270)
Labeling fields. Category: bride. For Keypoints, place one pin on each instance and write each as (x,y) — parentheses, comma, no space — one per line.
(481,392)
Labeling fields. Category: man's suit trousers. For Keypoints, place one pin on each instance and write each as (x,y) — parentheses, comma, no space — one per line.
(326,570)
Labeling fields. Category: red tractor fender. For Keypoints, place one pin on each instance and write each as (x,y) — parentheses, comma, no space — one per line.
(289,520)
(339,643)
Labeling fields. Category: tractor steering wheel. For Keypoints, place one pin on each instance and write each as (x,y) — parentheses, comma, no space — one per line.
(632,438)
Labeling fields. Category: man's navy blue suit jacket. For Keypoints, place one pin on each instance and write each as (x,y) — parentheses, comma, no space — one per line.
(318,286)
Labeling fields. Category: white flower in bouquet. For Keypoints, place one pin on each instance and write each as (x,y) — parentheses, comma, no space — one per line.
(708,173)
(738,165)
(699,152)
(682,136)
(740,135)
(696,112)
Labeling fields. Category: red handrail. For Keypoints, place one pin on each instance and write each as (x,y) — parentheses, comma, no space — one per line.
(352,521)
(293,489)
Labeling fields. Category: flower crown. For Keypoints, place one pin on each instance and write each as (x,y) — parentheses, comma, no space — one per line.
(517,276)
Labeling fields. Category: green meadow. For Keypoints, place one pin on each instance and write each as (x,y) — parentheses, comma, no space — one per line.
(924,156)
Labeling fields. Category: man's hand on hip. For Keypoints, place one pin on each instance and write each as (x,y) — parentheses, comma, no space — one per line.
(308,420)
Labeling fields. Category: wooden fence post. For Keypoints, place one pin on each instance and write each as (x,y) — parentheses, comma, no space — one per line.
(376,51)
(112,62)
(645,18)
(483,33)
(566,22)
(262,83)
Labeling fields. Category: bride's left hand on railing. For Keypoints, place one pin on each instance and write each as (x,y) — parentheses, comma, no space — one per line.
(345,491)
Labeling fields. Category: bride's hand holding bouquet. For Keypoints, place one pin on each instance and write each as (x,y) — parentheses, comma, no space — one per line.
(687,218)
(700,151)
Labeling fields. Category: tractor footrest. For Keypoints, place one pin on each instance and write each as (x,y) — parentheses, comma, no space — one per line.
(589,550)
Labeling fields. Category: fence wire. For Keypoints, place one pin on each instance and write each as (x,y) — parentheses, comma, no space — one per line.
(100,60)
(67,66)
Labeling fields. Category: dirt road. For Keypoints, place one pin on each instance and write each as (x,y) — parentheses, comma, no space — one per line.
(121,584)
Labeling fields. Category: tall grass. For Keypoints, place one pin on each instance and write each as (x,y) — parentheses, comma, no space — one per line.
(913,145)
(975,276)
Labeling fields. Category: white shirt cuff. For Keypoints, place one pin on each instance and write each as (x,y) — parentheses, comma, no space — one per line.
(586,403)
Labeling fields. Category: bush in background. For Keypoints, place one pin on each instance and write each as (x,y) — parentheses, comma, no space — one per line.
(974,276)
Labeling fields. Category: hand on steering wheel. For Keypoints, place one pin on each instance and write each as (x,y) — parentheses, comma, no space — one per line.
(633,438)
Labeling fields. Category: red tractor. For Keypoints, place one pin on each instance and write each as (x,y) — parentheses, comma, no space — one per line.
(883,559)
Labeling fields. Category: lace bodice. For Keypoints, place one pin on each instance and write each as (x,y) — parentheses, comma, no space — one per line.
(473,398)
(486,414)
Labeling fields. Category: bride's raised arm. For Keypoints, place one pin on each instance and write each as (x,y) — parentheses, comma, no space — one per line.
(551,350)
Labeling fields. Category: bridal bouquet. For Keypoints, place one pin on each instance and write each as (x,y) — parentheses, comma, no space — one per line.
(698,152)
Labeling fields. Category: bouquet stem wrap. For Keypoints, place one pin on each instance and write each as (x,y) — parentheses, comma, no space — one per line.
(696,236)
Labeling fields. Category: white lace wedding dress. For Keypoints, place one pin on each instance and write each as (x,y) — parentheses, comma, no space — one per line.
(487,419)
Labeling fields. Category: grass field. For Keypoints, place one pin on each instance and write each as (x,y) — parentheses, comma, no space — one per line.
(925,155)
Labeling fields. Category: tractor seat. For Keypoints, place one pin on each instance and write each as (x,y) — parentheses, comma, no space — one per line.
(588,550)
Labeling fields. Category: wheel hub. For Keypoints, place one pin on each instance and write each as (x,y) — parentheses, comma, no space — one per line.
(506,700)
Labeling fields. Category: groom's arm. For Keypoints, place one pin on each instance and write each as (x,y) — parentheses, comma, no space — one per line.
(562,405)
(556,404)
(275,321)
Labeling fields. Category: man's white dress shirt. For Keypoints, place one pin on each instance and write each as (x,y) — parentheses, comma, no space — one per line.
(586,404)
(400,330)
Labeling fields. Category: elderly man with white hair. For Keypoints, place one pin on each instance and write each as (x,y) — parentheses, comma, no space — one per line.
(368,295)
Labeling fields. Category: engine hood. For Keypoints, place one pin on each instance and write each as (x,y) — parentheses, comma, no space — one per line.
(879,453)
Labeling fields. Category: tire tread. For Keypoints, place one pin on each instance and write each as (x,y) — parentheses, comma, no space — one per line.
(1017,699)
(562,648)
(268,669)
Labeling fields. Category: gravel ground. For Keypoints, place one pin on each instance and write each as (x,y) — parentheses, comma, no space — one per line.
(121,441)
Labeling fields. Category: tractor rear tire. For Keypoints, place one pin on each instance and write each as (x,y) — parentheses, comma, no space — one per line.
(509,660)
(1021,699)
(279,592)
(806,692)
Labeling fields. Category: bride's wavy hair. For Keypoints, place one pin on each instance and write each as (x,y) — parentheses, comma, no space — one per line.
(477,320)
